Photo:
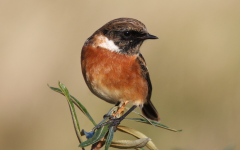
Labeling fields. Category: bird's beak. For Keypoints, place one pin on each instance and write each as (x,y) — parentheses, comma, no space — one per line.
(148,36)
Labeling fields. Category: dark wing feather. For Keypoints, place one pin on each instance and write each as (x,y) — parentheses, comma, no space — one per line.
(148,109)
(145,74)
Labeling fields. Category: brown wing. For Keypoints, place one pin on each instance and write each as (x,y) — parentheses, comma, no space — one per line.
(148,109)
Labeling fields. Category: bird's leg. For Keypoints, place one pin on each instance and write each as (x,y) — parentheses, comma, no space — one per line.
(120,109)
(106,117)
(120,105)
(109,116)
(117,121)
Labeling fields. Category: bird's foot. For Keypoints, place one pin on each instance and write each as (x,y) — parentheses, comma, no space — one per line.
(112,123)
(109,116)
(115,123)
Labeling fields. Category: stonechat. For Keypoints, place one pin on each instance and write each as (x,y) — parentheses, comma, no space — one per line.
(114,68)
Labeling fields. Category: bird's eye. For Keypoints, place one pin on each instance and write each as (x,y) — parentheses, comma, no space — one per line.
(127,33)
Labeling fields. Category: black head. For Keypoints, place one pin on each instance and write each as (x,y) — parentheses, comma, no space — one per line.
(126,33)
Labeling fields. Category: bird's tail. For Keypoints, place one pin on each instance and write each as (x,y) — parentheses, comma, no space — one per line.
(149,111)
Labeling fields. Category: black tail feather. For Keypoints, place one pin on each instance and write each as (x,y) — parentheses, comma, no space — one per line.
(150,111)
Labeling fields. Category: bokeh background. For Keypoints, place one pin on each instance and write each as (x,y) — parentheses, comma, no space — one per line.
(194,68)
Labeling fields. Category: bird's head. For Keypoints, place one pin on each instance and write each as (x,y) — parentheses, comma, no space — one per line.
(123,35)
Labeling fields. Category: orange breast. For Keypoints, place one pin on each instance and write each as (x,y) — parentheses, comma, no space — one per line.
(112,76)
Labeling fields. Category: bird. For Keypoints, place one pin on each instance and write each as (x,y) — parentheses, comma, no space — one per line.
(114,68)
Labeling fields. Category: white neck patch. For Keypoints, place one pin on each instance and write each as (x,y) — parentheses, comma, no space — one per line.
(104,42)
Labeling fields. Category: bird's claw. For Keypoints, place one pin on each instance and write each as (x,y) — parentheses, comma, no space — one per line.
(115,123)
(112,123)
(109,116)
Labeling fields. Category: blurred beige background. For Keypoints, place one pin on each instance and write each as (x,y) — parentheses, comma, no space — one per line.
(194,68)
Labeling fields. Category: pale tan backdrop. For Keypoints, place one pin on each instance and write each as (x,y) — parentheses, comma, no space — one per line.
(194,68)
